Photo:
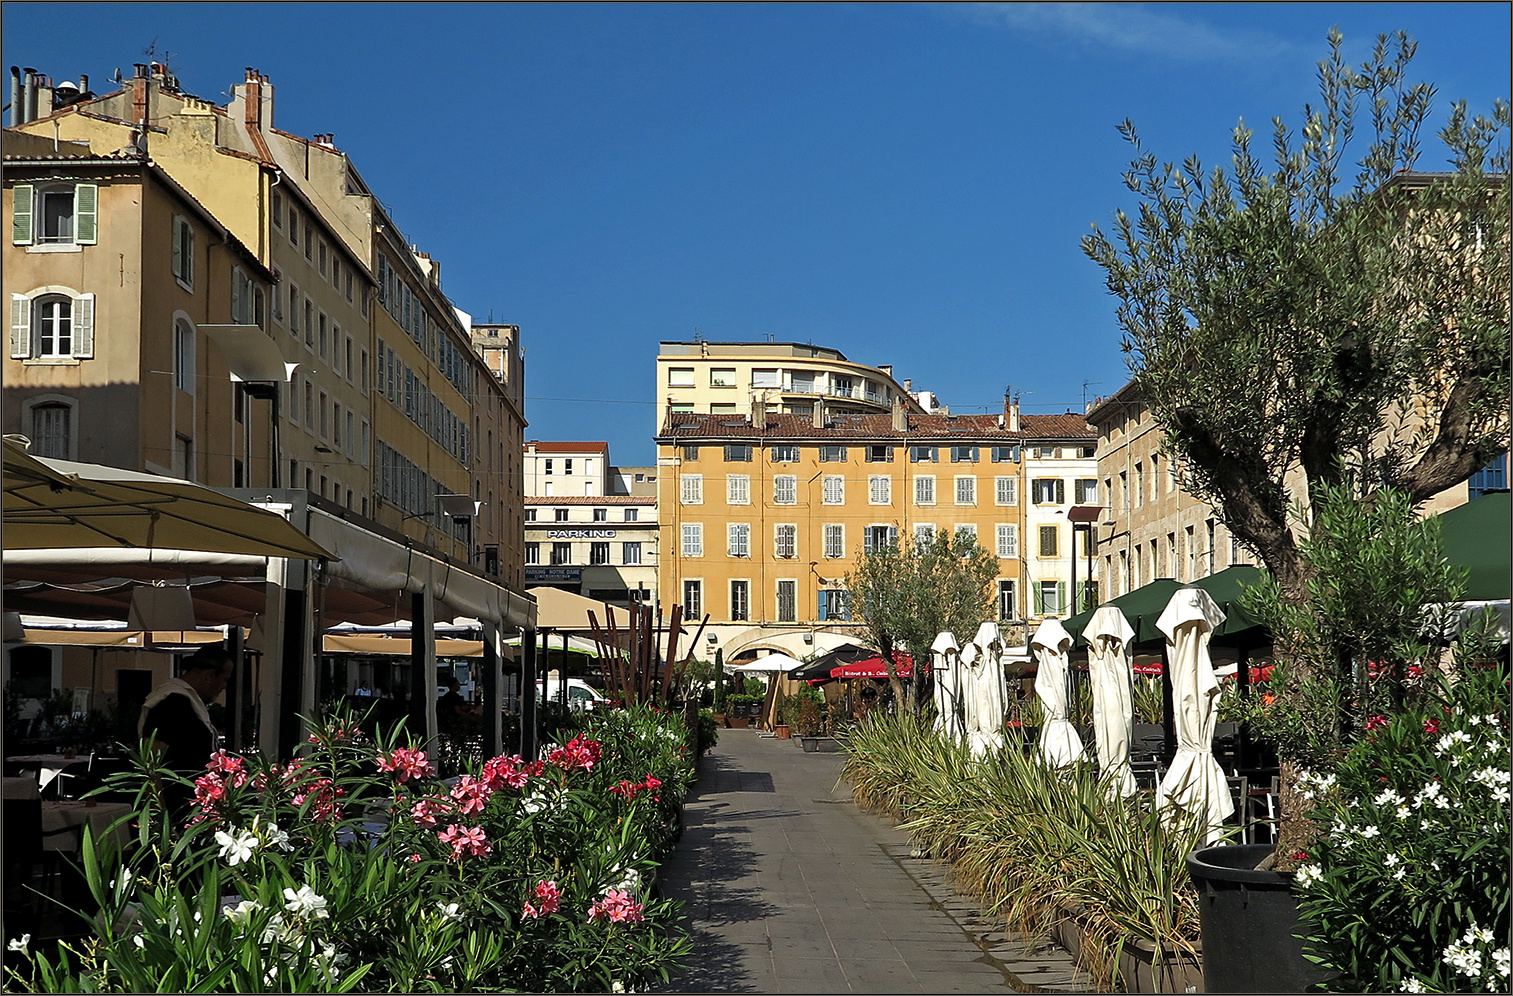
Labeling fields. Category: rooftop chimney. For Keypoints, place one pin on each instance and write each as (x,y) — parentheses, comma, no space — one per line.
(900,416)
(819,413)
(908,385)
(886,368)
(759,412)
(1011,413)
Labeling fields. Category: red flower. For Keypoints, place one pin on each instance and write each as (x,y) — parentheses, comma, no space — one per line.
(1300,855)
(426,811)
(470,794)
(1431,726)
(1375,723)
(576,753)
(504,772)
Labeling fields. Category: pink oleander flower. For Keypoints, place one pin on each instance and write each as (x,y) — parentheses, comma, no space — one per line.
(1375,723)
(470,795)
(465,841)
(504,772)
(426,811)
(576,753)
(627,789)
(229,766)
(414,859)
(1431,726)
(616,906)
(549,896)
(406,763)
(324,799)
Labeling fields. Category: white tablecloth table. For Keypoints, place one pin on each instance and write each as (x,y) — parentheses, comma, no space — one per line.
(61,816)
(47,766)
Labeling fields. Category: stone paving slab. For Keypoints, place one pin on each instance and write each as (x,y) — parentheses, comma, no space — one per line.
(789,887)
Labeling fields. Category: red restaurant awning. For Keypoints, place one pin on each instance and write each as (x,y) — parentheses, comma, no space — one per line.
(873,667)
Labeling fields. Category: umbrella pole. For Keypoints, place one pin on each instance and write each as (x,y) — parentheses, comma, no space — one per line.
(1168,711)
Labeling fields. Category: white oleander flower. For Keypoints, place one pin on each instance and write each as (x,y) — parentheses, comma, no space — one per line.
(242,912)
(306,902)
(1411,985)
(1306,875)
(1403,812)
(236,848)
(449,911)
(1370,831)
(1392,860)
(1398,875)
(533,803)
(1500,962)
(1389,797)
(19,943)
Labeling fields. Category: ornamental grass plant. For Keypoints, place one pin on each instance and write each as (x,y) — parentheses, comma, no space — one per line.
(352,868)
(1033,844)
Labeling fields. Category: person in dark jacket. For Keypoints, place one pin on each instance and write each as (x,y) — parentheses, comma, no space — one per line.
(174,716)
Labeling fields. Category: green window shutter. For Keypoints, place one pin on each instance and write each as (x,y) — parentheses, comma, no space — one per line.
(1061,597)
(84,326)
(86,213)
(21,327)
(1060,491)
(1039,594)
(21,214)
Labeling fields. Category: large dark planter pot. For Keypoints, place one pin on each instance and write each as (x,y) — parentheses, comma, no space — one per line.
(1249,920)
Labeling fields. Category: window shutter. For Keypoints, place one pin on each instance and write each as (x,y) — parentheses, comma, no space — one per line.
(1039,594)
(893,536)
(236,294)
(1061,597)
(178,249)
(86,209)
(84,326)
(1060,491)
(21,327)
(21,216)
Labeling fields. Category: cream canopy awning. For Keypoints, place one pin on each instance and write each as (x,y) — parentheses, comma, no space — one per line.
(562,610)
(57,504)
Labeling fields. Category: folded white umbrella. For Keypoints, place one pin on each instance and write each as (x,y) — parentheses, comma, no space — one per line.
(1194,784)
(1059,743)
(948,707)
(983,692)
(1108,637)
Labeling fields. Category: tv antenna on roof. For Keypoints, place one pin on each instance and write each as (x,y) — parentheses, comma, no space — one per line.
(1085,385)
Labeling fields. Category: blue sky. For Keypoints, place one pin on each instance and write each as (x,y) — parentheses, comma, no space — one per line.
(907,183)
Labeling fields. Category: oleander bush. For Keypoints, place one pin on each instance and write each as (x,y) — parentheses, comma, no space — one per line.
(1406,886)
(353,868)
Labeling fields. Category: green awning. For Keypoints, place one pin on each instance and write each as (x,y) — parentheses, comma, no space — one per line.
(1476,537)
(1142,607)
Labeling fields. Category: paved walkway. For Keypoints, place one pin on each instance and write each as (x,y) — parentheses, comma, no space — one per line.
(789,887)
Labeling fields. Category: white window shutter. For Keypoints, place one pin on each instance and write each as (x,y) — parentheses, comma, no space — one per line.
(86,213)
(84,327)
(21,215)
(21,327)
(893,536)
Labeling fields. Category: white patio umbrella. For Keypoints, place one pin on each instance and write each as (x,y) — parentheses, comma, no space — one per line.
(772,663)
(948,705)
(984,696)
(1108,636)
(1194,784)
(1059,743)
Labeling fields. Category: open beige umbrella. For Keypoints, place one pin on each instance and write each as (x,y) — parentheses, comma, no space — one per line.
(1059,743)
(1194,784)
(56,504)
(1108,636)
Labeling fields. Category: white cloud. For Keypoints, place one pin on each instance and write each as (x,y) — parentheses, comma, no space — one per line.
(1127,27)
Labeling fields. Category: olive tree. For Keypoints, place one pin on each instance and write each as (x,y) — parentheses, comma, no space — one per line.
(1291,327)
(906,596)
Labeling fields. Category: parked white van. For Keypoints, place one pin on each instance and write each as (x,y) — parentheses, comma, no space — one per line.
(581,696)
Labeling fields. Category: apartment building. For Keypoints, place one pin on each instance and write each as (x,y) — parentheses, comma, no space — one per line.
(733,378)
(388,398)
(1061,496)
(120,283)
(567,469)
(605,547)
(764,516)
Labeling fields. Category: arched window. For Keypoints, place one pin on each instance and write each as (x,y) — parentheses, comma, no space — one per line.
(53,326)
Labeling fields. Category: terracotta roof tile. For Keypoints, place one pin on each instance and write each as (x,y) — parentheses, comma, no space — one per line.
(843,426)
